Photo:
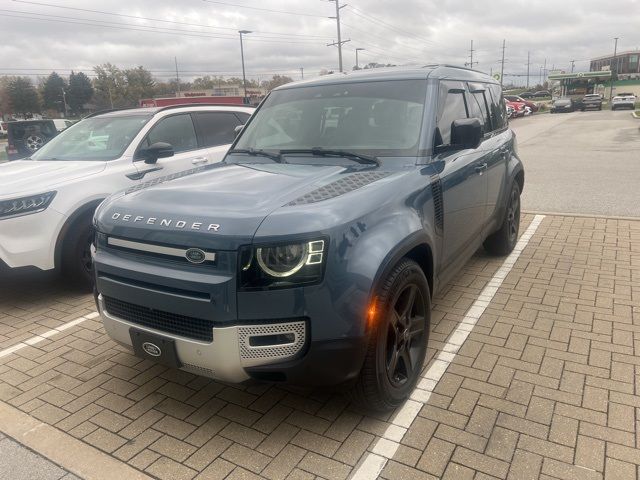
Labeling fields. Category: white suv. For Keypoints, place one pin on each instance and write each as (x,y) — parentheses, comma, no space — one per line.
(47,201)
(623,100)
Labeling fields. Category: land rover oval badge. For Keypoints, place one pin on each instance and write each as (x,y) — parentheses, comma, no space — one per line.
(195,255)
(152,349)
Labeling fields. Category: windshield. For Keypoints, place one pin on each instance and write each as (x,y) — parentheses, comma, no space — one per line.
(373,118)
(97,138)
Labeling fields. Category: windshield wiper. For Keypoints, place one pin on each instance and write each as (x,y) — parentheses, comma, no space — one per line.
(319,151)
(259,153)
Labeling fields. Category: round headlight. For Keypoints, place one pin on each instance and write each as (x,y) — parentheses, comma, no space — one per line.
(282,260)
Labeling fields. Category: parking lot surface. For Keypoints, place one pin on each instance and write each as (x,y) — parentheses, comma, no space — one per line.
(582,162)
(544,386)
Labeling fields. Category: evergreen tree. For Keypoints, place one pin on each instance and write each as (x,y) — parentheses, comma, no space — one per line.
(23,96)
(52,92)
(79,92)
(140,84)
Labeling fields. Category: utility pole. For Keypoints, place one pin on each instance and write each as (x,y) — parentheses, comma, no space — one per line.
(302,72)
(244,77)
(502,63)
(339,43)
(357,64)
(615,60)
(64,102)
(471,50)
(177,77)
(544,72)
(573,64)
(528,65)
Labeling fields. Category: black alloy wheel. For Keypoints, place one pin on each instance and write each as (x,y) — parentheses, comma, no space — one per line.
(405,336)
(503,241)
(513,216)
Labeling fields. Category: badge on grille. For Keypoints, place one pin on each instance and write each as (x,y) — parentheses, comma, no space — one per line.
(195,255)
(152,349)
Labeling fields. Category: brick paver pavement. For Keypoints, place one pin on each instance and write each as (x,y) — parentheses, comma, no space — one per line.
(544,386)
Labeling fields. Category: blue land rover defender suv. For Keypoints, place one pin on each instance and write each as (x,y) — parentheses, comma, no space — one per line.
(312,252)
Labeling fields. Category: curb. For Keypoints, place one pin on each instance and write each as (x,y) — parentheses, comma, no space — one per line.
(68,452)
(635,115)
(582,215)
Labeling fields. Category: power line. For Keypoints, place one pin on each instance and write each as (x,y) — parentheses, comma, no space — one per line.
(137,17)
(287,12)
(132,27)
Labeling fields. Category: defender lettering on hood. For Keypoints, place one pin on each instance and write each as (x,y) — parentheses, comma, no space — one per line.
(165,222)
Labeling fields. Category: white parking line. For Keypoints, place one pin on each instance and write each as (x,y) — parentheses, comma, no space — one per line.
(39,338)
(386,447)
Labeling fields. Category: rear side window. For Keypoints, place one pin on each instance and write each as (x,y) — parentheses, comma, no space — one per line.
(177,130)
(451,106)
(497,107)
(478,106)
(216,128)
(243,117)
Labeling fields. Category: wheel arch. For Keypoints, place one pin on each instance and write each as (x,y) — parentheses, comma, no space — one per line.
(78,214)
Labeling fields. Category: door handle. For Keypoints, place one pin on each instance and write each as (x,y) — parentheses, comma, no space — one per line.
(481,168)
(198,160)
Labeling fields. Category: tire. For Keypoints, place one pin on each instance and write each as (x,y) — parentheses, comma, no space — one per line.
(404,305)
(76,266)
(503,241)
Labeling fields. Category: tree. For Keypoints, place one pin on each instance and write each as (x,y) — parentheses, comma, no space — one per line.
(23,96)
(52,92)
(79,92)
(140,84)
(276,81)
(110,87)
(5,103)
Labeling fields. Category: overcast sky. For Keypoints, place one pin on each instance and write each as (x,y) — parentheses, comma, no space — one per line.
(40,36)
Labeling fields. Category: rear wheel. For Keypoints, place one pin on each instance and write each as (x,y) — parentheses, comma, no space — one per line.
(398,341)
(503,241)
(77,265)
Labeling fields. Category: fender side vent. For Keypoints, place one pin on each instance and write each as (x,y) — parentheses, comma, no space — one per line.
(339,187)
(438,203)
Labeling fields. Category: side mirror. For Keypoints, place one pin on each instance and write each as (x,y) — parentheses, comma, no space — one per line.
(238,129)
(466,133)
(157,150)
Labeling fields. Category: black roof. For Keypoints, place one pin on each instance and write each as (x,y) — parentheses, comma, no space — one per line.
(397,73)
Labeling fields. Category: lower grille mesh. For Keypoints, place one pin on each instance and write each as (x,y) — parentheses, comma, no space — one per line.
(189,327)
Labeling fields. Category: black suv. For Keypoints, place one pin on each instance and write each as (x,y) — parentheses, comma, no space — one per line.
(312,252)
(25,137)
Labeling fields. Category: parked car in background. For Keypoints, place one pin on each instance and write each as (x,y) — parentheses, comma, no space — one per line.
(591,100)
(25,137)
(526,95)
(563,104)
(311,253)
(623,100)
(47,201)
(518,109)
(3,129)
(542,94)
(516,98)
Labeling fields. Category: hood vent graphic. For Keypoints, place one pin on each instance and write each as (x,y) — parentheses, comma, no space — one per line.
(167,178)
(339,187)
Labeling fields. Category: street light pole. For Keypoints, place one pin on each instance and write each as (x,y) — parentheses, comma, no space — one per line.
(615,60)
(357,64)
(64,102)
(244,77)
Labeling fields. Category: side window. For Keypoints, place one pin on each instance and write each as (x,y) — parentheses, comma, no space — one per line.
(451,106)
(177,130)
(216,128)
(243,117)
(497,107)
(478,106)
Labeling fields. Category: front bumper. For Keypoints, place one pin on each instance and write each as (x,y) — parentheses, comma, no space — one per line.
(233,356)
(30,240)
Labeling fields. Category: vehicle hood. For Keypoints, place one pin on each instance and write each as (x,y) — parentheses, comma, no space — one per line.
(25,177)
(222,206)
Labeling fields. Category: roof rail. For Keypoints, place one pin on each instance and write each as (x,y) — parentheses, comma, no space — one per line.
(101,112)
(191,105)
(447,65)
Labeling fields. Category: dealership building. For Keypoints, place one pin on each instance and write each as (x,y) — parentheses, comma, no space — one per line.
(625,64)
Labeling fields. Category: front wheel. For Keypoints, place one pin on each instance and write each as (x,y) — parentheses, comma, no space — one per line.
(398,339)
(77,264)
(503,241)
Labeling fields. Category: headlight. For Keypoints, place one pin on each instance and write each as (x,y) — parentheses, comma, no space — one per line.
(25,205)
(282,265)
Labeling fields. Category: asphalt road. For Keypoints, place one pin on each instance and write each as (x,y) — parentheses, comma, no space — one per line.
(582,162)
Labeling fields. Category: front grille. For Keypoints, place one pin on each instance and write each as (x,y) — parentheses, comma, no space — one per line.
(189,327)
